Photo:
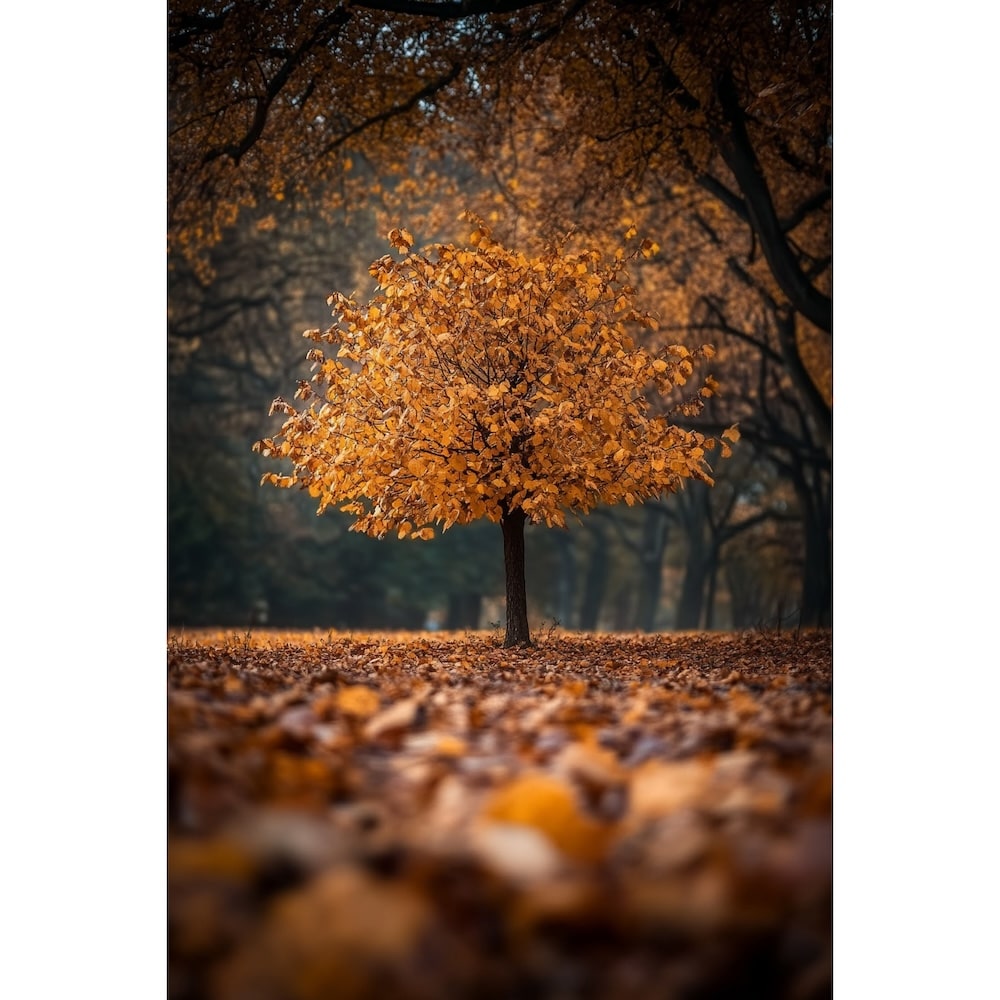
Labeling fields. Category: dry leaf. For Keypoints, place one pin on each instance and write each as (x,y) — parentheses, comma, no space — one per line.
(358,701)
(550,806)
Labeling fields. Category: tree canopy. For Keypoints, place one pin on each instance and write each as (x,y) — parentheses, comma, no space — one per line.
(481,382)
(283,96)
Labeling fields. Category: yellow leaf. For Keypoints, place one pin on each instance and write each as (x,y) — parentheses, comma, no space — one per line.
(400,239)
(451,746)
(358,701)
(549,805)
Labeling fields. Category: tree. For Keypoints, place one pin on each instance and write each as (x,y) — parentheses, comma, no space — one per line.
(233,345)
(481,382)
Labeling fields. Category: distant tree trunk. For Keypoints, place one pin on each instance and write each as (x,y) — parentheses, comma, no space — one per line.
(654,544)
(692,599)
(464,610)
(816,606)
(817,573)
(512,524)
(596,582)
(713,579)
(566,589)
(693,507)
(623,609)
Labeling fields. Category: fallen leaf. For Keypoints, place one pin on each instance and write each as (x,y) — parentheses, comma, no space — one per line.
(358,700)
(549,805)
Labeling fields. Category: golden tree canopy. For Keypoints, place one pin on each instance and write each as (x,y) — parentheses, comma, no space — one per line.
(326,101)
(479,381)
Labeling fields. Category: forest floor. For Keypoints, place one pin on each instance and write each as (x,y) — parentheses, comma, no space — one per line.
(433,817)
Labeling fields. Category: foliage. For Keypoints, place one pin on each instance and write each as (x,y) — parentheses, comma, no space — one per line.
(642,816)
(480,381)
(287,97)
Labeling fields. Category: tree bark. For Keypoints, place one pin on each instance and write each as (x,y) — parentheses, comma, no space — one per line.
(512,524)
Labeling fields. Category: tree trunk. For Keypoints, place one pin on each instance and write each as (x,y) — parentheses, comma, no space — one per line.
(595,582)
(817,574)
(713,579)
(512,524)
(566,586)
(816,606)
(693,508)
(692,599)
(464,610)
(654,545)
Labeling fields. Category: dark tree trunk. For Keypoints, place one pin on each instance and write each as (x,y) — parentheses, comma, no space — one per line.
(692,599)
(654,544)
(693,508)
(512,524)
(816,607)
(713,580)
(817,574)
(566,592)
(464,611)
(596,581)
(622,620)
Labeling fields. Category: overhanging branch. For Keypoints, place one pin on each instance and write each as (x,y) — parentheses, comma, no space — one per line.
(737,150)
(451,10)
(397,109)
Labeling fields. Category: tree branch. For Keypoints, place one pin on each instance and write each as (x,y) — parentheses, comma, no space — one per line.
(737,150)
(325,30)
(397,109)
(451,10)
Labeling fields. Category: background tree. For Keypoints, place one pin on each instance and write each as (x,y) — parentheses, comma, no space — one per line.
(734,92)
(232,347)
(480,382)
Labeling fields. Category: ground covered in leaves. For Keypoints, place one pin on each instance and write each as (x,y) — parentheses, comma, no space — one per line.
(430,817)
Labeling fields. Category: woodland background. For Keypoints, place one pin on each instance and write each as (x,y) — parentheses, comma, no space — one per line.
(709,129)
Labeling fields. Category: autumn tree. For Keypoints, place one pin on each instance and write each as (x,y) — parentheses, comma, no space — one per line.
(480,382)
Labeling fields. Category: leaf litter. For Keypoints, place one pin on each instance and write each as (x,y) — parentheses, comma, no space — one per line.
(414,816)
